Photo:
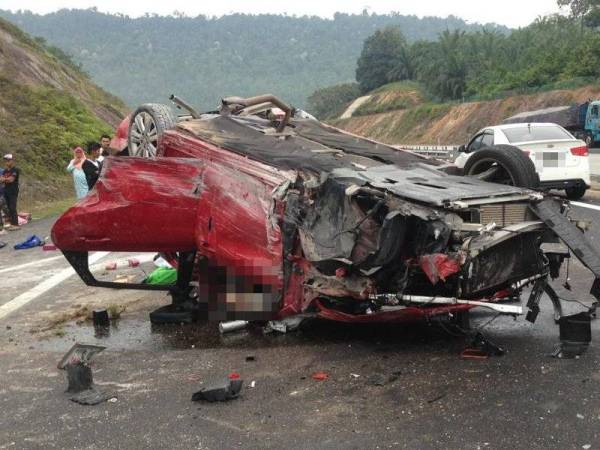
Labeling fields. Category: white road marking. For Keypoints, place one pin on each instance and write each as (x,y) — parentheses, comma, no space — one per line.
(21,300)
(32,263)
(46,285)
(586,205)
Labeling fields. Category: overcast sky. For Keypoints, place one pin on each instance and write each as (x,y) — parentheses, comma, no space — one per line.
(513,13)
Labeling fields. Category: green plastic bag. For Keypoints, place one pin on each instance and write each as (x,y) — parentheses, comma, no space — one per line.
(162,276)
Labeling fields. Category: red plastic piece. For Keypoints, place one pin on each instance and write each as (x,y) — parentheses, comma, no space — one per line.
(234,376)
(438,266)
(133,262)
(320,376)
(340,272)
(473,353)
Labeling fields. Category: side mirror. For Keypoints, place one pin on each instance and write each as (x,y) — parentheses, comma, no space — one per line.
(462,148)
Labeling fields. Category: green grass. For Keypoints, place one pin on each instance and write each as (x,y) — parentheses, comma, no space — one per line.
(43,127)
(380,107)
(48,209)
(572,83)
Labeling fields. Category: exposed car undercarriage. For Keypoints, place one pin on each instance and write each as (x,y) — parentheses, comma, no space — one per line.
(292,216)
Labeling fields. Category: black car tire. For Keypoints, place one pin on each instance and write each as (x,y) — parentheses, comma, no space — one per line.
(147,124)
(576,192)
(515,166)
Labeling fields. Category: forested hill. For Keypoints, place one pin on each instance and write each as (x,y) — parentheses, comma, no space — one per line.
(203,59)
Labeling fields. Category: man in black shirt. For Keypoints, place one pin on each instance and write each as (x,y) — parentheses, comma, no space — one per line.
(10,178)
(91,166)
(105,142)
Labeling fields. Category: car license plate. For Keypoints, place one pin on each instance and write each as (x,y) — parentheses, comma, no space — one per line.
(549,160)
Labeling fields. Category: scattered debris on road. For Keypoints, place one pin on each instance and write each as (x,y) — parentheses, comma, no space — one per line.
(80,353)
(481,348)
(220,391)
(320,376)
(31,242)
(287,324)
(575,335)
(234,325)
(79,375)
(100,318)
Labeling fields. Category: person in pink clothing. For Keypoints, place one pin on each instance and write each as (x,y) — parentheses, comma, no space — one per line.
(76,168)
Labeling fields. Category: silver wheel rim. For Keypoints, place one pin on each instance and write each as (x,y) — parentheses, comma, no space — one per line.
(144,136)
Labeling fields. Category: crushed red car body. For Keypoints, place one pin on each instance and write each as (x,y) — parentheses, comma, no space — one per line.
(273,214)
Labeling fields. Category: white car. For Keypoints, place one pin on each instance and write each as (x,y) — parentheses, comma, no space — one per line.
(560,159)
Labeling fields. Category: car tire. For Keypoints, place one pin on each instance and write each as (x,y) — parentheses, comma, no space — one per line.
(503,164)
(589,140)
(147,124)
(575,192)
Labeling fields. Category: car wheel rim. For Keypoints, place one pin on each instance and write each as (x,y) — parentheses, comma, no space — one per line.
(144,136)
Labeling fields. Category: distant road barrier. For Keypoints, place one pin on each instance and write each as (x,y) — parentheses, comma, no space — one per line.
(447,152)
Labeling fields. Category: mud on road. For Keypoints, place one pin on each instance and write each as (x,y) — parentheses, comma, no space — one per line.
(388,386)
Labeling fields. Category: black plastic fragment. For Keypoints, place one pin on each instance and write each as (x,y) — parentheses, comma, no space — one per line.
(91,396)
(575,335)
(100,318)
(482,343)
(220,391)
(534,300)
(79,377)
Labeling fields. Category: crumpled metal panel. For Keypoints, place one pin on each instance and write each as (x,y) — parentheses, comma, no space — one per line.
(426,184)
(548,211)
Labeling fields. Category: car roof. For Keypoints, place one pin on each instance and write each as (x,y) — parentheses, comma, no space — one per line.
(521,125)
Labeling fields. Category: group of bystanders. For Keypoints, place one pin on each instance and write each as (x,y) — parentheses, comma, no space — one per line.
(85,170)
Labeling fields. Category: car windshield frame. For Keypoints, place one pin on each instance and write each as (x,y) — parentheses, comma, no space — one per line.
(534,133)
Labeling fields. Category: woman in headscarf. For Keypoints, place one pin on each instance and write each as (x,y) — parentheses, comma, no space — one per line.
(81,186)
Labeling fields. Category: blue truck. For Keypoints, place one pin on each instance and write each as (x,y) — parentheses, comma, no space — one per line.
(583,121)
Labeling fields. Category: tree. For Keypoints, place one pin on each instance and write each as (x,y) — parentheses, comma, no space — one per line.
(587,11)
(381,56)
(579,8)
(329,102)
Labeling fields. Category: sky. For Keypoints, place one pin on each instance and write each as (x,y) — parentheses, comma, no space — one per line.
(512,13)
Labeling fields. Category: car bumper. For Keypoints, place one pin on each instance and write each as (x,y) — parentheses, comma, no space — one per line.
(563,184)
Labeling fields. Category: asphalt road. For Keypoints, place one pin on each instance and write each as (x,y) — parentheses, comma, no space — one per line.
(388,386)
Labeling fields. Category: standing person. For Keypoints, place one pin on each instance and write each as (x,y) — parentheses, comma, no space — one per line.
(105,143)
(2,208)
(91,166)
(79,179)
(10,178)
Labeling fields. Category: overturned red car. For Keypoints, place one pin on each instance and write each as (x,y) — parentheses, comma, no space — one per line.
(268,213)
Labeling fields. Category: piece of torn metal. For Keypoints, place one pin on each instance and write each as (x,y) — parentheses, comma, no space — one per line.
(287,324)
(80,353)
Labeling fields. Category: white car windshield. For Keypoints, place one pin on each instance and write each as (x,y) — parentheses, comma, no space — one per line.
(533,133)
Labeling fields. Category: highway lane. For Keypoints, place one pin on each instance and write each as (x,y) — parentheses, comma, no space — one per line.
(388,386)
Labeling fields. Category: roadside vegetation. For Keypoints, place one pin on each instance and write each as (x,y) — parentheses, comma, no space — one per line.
(48,106)
(554,52)
(206,58)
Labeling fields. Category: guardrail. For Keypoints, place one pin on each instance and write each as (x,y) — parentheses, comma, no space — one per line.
(447,152)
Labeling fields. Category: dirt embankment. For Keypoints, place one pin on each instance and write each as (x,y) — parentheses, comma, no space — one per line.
(446,124)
